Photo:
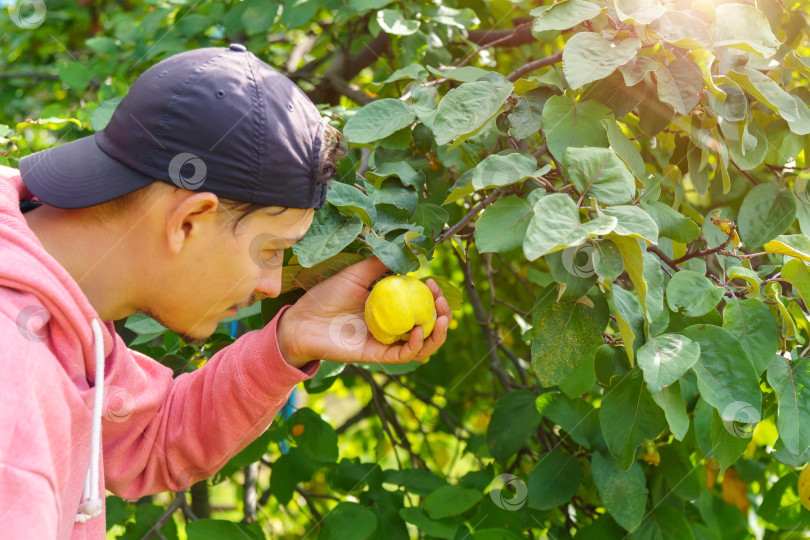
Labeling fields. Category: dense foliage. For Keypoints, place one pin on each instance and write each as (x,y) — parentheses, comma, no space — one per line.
(616,192)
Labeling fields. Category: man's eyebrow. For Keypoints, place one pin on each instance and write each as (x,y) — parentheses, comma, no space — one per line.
(289,239)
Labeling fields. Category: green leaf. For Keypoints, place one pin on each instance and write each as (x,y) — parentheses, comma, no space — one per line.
(791,382)
(629,417)
(466,108)
(417,481)
(639,11)
(391,192)
(411,71)
(462,188)
(526,117)
(752,323)
(577,418)
(555,226)
(625,148)
(765,90)
(766,212)
(573,267)
(463,74)
(503,170)
(671,401)
(729,439)
(431,217)
(553,480)
(744,27)
(451,293)
(352,201)
(502,226)
(445,528)
(633,221)
(588,57)
(680,84)
(290,469)
(318,439)
(348,521)
(683,478)
(75,75)
(564,334)
(599,173)
(327,236)
(794,245)
(665,358)
(222,529)
(406,174)
(682,30)
(514,419)
(608,259)
(630,319)
(396,256)
(393,21)
(781,506)
(663,523)
(378,120)
(693,292)
(568,123)
(103,114)
(451,500)
(624,493)
(563,15)
(671,223)
(727,379)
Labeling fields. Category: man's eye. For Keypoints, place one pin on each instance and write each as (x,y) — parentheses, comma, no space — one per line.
(269,255)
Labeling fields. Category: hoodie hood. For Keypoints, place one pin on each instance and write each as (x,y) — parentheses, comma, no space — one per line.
(50,297)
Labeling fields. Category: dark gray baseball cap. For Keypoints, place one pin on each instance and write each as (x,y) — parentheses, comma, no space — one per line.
(212,119)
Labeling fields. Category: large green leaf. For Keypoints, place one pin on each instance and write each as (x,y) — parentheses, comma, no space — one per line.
(639,11)
(634,221)
(791,382)
(378,119)
(766,212)
(629,417)
(555,226)
(465,109)
(316,437)
(353,201)
(563,334)
(744,27)
(514,419)
(765,90)
(526,117)
(562,15)
(753,324)
(625,148)
(569,123)
(665,358)
(726,376)
(674,406)
(451,500)
(577,418)
(553,480)
(671,223)
(444,528)
(327,236)
(396,256)
(623,492)
(502,170)
(348,521)
(663,523)
(502,226)
(680,84)
(630,319)
(599,173)
(729,439)
(693,292)
(588,57)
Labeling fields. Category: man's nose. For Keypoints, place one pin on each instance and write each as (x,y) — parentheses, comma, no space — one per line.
(270,283)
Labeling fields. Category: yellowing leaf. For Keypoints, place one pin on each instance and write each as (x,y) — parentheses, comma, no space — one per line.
(795,245)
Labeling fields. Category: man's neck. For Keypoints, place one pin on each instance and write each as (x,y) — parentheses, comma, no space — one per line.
(91,253)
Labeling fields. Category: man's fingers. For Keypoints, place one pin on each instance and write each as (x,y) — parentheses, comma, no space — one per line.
(365,272)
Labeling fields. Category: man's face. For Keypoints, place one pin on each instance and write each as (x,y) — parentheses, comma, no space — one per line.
(221,269)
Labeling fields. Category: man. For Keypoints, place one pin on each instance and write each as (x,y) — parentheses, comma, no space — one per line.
(211,166)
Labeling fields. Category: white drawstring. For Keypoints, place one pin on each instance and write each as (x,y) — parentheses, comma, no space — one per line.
(91,505)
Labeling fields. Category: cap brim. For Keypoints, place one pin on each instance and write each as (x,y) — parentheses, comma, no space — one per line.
(78,174)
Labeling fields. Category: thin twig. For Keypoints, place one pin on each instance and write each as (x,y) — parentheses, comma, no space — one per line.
(531,66)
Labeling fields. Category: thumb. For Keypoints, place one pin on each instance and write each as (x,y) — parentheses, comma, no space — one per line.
(364,273)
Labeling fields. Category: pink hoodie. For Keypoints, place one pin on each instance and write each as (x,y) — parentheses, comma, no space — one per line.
(79,412)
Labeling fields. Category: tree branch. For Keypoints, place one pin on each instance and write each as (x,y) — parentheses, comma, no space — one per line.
(531,66)
(178,501)
(471,214)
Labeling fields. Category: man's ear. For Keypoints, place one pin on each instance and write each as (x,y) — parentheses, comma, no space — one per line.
(188,215)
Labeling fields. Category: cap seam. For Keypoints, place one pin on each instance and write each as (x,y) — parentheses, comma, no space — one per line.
(259,132)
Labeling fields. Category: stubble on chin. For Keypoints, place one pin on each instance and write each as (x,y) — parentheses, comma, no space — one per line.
(190,340)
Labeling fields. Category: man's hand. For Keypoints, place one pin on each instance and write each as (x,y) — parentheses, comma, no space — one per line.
(328,323)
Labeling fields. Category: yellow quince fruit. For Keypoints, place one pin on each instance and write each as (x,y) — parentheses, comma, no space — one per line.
(395,305)
(804,487)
